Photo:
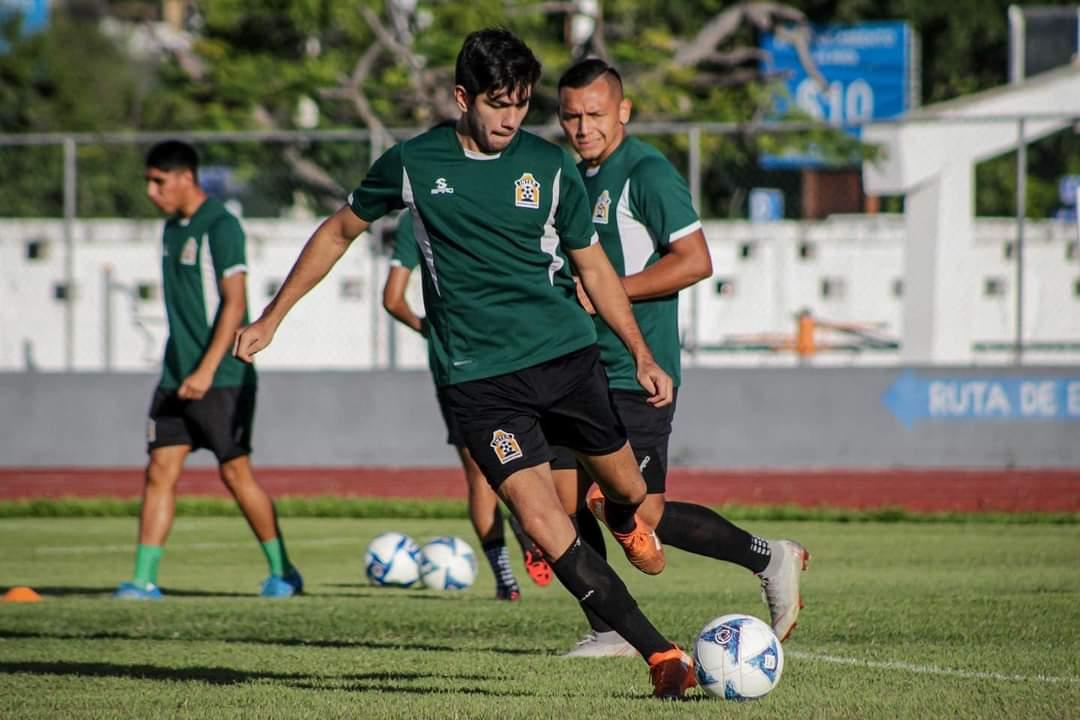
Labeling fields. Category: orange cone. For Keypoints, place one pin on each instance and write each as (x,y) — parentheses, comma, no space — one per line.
(21,594)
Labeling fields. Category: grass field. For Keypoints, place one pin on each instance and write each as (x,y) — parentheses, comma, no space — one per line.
(904,620)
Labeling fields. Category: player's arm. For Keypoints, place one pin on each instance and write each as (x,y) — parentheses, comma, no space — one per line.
(393,298)
(604,288)
(322,250)
(686,262)
(230,315)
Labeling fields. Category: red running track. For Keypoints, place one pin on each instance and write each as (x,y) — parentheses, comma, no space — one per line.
(915,489)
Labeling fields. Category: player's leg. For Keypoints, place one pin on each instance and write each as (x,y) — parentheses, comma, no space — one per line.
(500,419)
(563,465)
(600,640)
(224,417)
(583,418)
(487,520)
(530,493)
(484,511)
(700,530)
(168,444)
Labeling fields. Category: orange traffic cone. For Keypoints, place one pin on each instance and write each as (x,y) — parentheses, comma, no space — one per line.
(21,594)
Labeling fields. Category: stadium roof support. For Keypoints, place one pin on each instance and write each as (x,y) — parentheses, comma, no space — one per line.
(929,157)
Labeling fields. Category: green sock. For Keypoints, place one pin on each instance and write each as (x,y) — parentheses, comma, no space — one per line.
(276,557)
(147,558)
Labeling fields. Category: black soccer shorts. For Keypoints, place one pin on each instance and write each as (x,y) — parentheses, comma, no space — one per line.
(509,420)
(220,421)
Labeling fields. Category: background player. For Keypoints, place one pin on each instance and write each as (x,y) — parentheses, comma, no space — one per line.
(484,508)
(206,397)
(647,225)
(513,350)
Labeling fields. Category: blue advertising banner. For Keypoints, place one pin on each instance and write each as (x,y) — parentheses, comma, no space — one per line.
(912,398)
(867,71)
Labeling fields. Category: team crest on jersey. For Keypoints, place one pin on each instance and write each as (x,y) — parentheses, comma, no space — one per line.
(602,208)
(505,446)
(441,188)
(527,192)
(190,252)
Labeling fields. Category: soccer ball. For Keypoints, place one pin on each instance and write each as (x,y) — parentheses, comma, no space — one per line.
(737,657)
(392,560)
(447,563)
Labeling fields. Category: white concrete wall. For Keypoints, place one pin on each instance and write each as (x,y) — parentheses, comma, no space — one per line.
(331,330)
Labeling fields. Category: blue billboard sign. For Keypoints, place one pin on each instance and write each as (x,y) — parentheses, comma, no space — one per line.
(34,13)
(867,69)
(912,398)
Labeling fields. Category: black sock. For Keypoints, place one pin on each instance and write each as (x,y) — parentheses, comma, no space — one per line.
(619,517)
(589,531)
(592,581)
(697,529)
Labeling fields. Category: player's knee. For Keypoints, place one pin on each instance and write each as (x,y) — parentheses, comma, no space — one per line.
(235,473)
(162,473)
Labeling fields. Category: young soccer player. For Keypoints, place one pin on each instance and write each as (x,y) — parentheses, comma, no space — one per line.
(642,212)
(206,397)
(514,353)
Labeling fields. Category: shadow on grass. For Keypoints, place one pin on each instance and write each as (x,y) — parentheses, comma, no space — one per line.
(72,590)
(283,642)
(385,682)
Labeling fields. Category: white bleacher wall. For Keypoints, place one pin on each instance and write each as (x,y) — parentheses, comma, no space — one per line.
(771,271)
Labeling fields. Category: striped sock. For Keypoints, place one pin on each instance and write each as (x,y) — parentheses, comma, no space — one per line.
(499,559)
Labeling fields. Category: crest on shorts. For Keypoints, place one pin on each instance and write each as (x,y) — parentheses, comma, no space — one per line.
(190,252)
(527,191)
(505,446)
(602,208)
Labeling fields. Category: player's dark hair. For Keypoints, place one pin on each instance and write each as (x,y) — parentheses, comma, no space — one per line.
(173,155)
(585,72)
(496,60)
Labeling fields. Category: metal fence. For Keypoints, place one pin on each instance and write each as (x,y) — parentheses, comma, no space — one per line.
(698,149)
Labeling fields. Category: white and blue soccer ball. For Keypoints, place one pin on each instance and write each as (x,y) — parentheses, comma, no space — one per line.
(738,657)
(392,559)
(447,563)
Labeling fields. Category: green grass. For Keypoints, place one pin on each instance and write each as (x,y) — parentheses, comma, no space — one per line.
(904,620)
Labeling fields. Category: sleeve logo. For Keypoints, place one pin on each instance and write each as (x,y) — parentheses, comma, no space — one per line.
(527,192)
(505,446)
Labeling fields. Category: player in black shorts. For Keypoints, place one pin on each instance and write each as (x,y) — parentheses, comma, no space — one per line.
(643,214)
(206,397)
(485,511)
(498,215)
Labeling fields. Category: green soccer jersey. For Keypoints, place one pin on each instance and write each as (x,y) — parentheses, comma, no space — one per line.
(640,206)
(197,253)
(491,230)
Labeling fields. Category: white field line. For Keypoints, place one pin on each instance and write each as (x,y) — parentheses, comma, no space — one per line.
(927,669)
(99,549)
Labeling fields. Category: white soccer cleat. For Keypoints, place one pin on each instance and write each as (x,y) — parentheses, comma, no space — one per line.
(780,585)
(604,644)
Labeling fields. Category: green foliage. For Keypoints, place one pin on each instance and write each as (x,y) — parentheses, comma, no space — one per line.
(400,508)
(257,60)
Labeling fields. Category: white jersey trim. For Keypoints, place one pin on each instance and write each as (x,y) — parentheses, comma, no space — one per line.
(549,243)
(423,239)
(684,231)
(210,291)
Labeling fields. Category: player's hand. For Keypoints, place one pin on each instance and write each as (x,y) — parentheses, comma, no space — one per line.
(583,297)
(252,338)
(656,382)
(195,385)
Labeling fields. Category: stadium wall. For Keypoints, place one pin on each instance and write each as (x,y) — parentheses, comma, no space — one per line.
(797,418)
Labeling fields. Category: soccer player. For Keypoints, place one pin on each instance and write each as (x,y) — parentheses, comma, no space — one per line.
(514,353)
(206,397)
(484,510)
(647,225)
